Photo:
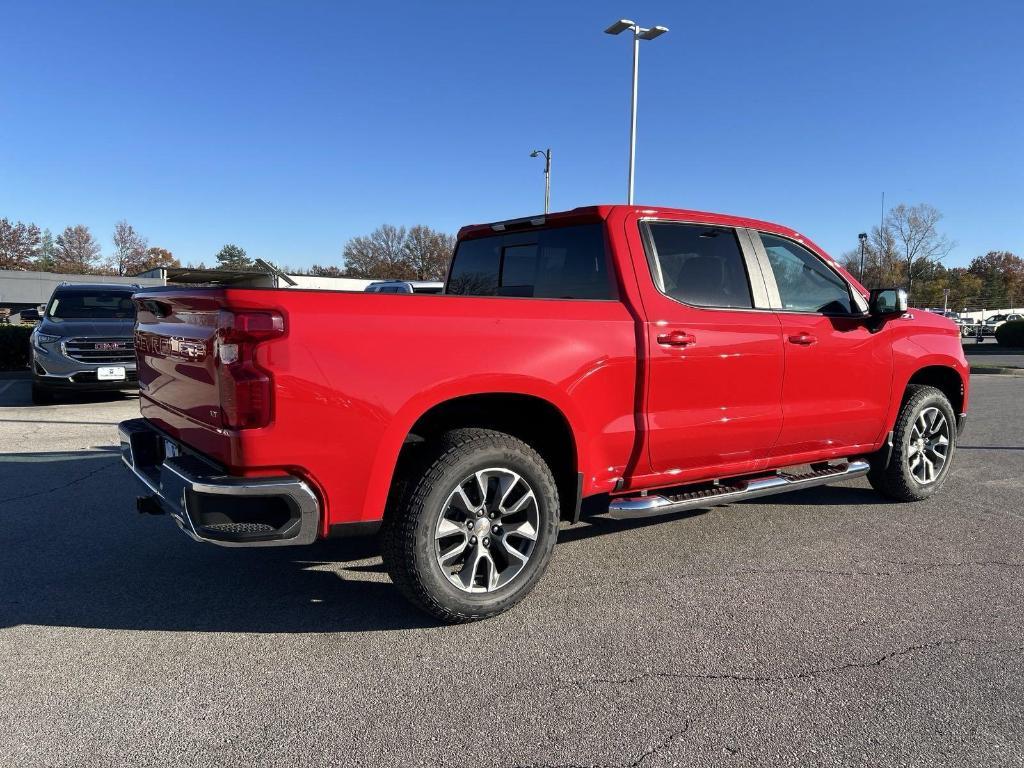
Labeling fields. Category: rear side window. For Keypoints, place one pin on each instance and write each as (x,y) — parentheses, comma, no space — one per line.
(805,283)
(700,265)
(562,263)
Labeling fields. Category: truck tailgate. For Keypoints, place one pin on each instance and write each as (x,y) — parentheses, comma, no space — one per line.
(175,337)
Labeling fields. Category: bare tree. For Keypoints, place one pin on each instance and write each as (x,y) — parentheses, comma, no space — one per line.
(78,252)
(19,243)
(428,252)
(129,256)
(380,255)
(914,230)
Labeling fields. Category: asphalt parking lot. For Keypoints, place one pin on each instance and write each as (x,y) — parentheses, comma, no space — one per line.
(820,628)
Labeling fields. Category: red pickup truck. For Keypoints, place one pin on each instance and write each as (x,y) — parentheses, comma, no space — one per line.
(648,360)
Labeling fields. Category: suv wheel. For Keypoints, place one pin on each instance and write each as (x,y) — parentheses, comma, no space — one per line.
(472,528)
(923,445)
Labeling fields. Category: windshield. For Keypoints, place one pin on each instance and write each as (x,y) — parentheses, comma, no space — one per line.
(92,305)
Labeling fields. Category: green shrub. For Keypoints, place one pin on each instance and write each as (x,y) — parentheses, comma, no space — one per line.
(1011,334)
(14,347)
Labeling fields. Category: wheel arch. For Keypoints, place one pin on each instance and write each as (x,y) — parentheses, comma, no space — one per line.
(945,379)
(529,415)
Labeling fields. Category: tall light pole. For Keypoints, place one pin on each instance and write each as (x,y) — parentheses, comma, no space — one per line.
(546,154)
(639,33)
(863,237)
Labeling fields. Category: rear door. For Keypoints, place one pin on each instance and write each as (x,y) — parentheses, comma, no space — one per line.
(714,349)
(836,390)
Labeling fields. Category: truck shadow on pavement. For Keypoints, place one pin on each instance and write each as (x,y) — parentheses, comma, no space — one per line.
(77,554)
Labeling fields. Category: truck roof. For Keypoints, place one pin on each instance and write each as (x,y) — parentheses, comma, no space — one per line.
(592,213)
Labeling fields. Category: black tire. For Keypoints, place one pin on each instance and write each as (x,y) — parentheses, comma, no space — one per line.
(890,473)
(418,501)
(41,395)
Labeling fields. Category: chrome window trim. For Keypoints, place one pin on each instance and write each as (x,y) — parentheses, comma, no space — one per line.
(759,294)
(773,287)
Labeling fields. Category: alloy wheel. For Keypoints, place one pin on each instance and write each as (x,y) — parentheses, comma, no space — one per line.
(928,447)
(487,530)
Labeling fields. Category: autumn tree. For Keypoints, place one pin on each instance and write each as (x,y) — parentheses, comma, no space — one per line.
(78,253)
(321,270)
(428,252)
(232,256)
(378,256)
(159,257)
(129,257)
(1001,278)
(397,253)
(18,244)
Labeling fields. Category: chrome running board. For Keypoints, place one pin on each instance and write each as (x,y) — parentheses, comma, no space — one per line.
(630,507)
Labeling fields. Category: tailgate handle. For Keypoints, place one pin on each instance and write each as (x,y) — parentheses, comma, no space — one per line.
(677,339)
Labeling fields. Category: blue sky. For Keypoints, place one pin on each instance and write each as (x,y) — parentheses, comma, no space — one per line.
(289,127)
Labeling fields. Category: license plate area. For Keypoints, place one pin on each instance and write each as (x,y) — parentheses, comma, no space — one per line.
(110,373)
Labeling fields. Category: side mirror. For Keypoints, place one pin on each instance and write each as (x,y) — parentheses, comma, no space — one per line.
(887,302)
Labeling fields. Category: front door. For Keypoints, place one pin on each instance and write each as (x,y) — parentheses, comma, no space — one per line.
(714,352)
(836,390)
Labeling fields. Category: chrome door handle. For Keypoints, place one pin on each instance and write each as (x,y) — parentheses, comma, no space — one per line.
(804,339)
(677,339)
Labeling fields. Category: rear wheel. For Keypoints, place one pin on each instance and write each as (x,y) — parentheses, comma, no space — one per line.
(923,445)
(471,529)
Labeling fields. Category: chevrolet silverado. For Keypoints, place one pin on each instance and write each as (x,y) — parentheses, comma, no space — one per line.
(625,360)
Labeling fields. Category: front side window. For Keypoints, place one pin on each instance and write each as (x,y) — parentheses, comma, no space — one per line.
(98,305)
(700,265)
(805,283)
(561,263)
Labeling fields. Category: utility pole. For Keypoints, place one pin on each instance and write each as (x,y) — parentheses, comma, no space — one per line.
(863,237)
(639,33)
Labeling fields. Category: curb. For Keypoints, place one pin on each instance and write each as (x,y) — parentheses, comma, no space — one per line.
(996,370)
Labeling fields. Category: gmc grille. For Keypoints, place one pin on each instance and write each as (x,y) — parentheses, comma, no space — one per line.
(100,350)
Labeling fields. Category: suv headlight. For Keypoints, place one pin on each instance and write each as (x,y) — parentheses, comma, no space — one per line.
(46,338)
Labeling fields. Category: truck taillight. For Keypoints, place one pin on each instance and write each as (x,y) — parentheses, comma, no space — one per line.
(246,389)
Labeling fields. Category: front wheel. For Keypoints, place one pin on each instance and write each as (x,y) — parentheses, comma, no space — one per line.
(923,445)
(472,528)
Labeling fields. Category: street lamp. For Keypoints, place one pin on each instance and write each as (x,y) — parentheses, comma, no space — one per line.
(546,154)
(639,33)
(863,237)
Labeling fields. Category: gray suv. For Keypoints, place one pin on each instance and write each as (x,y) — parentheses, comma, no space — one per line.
(84,341)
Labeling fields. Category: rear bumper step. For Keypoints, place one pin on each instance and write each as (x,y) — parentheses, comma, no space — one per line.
(651,505)
(211,506)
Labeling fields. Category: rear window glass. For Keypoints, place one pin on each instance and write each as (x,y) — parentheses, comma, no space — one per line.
(701,265)
(562,263)
(98,305)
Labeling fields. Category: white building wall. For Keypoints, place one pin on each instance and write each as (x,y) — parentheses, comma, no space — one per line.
(17,287)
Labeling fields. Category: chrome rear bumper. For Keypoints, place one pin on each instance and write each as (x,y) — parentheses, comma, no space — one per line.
(211,506)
